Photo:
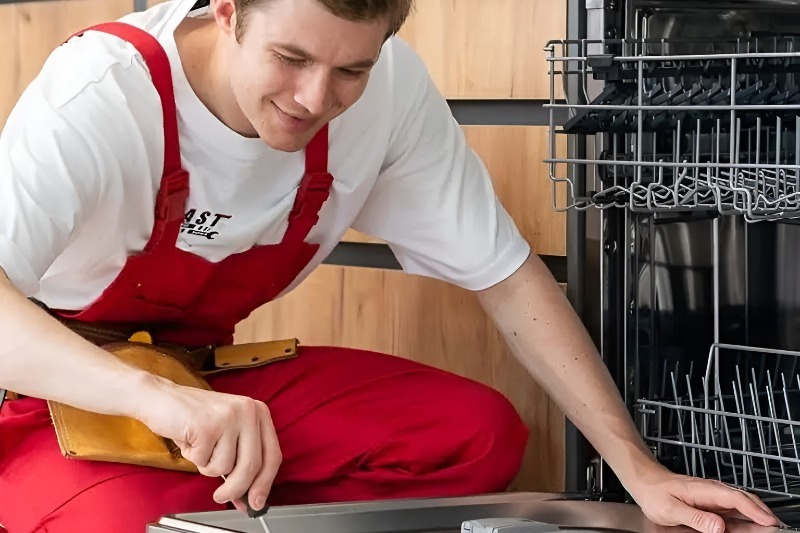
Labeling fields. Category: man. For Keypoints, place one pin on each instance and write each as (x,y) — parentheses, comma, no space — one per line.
(176,172)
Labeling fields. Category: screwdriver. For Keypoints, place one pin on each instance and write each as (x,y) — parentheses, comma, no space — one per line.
(252,513)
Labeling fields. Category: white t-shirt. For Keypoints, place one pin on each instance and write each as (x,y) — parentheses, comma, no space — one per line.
(82,152)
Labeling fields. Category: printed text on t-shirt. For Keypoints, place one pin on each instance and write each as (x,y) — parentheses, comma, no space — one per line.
(203,223)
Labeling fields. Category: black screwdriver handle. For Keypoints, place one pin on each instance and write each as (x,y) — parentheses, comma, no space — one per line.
(252,513)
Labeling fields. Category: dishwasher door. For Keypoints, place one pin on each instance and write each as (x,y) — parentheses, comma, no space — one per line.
(563,513)
(419,516)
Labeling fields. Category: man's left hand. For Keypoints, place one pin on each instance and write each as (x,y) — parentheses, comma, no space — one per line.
(669,499)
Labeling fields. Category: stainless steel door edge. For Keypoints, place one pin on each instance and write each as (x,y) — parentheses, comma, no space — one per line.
(407,516)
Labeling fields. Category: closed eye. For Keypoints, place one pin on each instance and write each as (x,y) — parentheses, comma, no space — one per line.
(291,61)
(353,73)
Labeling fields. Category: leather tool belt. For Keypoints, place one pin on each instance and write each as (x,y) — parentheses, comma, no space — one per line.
(92,436)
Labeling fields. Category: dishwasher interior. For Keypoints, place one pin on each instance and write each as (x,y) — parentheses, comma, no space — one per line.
(683,183)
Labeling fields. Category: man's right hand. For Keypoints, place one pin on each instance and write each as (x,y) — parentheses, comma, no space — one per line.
(223,434)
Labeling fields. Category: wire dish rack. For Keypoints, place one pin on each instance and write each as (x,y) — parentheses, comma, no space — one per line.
(739,422)
(679,125)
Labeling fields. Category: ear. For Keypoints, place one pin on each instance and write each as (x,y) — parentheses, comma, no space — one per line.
(224,12)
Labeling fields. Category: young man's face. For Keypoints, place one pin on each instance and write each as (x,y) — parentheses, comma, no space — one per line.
(297,66)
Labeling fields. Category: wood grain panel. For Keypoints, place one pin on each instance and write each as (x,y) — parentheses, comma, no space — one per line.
(513,155)
(427,321)
(31,30)
(356,236)
(487,49)
(9,60)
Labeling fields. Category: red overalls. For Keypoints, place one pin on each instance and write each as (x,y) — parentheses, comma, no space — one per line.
(353,425)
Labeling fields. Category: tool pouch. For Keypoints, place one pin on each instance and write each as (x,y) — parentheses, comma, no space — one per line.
(91,436)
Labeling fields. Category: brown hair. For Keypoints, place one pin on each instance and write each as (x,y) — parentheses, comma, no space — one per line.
(395,11)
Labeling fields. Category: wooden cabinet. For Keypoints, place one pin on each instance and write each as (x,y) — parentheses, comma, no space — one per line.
(513,155)
(31,30)
(9,61)
(487,49)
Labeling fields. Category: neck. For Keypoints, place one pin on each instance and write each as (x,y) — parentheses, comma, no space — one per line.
(197,40)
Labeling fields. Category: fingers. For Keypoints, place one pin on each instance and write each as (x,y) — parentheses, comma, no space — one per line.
(239,505)
(223,458)
(248,457)
(271,460)
(760,503)
(198,452)
(695,497)
(748,505)
(746,526)
(681,500)
(733,514)
(702,521)
(232,437)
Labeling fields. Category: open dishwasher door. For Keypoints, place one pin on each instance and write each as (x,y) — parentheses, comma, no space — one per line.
(500,513)
(497,513)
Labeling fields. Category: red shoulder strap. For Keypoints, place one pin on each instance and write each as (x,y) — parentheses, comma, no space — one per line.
(317,152)
(174,187)
(158,64)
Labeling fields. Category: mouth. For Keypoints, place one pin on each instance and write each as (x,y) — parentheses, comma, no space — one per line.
(292,123)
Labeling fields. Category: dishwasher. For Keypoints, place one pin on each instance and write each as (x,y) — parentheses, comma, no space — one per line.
(682,187)
(681,183)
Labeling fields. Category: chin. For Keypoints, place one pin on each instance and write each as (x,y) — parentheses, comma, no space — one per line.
(284,145)
(284,142)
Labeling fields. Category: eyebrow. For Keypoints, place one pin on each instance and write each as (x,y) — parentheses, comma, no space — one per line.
(364,63)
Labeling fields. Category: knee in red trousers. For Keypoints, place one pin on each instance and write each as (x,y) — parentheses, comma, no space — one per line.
(465,439)
(493,437)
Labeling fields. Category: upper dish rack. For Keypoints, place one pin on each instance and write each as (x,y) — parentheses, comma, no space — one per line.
(678,126)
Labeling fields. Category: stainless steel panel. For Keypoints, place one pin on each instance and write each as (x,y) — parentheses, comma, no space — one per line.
(441,516)
(418,516)
(716,4)
(710,21)
(708,26)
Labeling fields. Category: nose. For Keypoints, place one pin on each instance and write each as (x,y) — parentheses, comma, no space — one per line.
(314,92)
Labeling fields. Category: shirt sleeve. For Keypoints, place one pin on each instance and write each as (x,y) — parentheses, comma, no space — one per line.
(52,158)
(433,202)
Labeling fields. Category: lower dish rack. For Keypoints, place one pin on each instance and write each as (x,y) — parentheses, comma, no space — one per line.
(739,422)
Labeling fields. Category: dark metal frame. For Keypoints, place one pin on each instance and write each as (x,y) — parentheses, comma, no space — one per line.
(596,241)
